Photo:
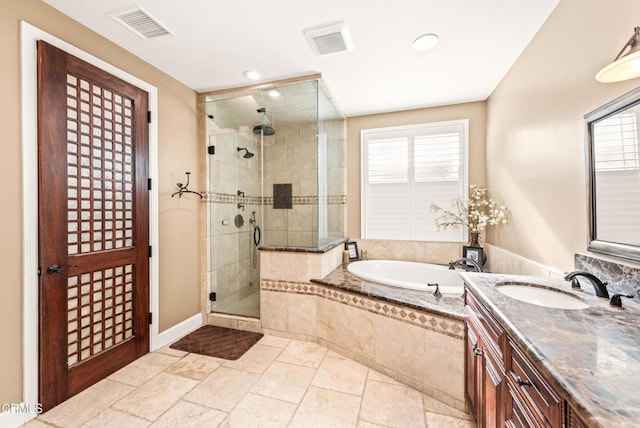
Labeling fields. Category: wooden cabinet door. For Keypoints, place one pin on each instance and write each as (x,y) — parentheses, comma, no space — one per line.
(472,371)
(574,420)
(484,380)
(493,381)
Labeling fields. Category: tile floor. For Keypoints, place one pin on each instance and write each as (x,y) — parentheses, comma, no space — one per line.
(277,383)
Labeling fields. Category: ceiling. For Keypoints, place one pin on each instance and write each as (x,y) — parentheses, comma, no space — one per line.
(214,42)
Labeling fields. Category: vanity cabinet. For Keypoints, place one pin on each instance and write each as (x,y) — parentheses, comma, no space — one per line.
(502,386)
(574,420)
(484,371)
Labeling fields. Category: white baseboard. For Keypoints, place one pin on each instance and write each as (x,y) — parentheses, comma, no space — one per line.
(177,331)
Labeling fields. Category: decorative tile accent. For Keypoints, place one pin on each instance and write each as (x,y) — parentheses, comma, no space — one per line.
(413,316)
(450,306)
(282,196)
(225,198)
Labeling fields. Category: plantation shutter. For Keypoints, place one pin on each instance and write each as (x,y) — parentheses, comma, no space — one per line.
(405,171)
(387,204)
(617,169)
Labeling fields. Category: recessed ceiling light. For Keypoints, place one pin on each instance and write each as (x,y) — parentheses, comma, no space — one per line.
(425,42)
(274,93)
(251,75)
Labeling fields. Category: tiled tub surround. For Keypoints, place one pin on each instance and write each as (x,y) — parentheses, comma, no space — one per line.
(294,264)
(590,356)
(502,261)
(498,259)
(449,305)
(412,251)
(409,335)
(622,277)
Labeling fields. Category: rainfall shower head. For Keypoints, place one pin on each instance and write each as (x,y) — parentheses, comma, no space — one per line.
(265,130)
(247,154)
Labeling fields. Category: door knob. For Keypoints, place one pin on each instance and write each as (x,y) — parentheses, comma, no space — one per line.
(53,269)
(477,351)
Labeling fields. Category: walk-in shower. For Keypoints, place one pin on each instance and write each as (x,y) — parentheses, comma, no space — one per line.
(286,155)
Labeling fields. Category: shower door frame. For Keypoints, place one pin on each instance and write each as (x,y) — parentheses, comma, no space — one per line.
(227,199)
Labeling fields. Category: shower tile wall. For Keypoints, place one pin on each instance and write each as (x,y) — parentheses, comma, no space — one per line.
(290,158)
(233,277)
(336,177)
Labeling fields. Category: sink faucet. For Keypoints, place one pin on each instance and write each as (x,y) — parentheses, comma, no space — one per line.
(465,261)
(598,285)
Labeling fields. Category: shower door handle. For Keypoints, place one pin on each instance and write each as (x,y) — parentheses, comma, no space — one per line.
(256,235)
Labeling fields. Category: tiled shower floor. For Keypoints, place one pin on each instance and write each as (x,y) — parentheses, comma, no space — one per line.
(277,383)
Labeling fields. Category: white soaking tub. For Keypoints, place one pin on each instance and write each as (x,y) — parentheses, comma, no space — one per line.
(410,275)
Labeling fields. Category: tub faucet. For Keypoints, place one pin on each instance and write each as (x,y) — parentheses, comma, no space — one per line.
(465,261)
(598,285)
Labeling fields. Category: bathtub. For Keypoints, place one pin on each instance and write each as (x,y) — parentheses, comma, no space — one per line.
(411,275)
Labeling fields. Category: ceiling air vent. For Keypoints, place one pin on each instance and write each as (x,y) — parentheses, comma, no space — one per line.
(140,22)
(329,39)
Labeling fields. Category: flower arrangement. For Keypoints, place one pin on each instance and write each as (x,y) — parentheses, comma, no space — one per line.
(476,214)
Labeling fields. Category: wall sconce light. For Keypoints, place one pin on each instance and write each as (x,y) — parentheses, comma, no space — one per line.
(626,65)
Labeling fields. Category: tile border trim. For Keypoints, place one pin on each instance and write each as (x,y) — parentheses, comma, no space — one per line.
(225,198)
(423,319)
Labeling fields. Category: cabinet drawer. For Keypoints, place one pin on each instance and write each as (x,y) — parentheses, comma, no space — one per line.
(574,420)
(518,415)
(535,391)
(494,332)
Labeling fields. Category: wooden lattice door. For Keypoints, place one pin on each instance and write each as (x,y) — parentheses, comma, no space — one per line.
(93,224)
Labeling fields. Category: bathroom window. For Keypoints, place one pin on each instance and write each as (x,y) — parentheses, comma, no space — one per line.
(404,170)
(617,148)
(617,174)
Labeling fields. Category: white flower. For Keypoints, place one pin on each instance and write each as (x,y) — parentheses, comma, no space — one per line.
(476,214)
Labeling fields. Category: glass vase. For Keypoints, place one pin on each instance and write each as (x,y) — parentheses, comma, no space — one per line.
(474,239)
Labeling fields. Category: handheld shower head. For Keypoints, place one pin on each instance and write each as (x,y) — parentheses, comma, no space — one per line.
(247,154)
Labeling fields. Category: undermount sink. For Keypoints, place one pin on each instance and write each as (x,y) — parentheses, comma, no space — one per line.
(540,295)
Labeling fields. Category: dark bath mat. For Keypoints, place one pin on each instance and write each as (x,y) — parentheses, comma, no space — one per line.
(219,342)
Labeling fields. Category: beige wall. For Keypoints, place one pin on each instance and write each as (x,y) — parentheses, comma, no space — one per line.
(475,112)
(535,135)
(179,272)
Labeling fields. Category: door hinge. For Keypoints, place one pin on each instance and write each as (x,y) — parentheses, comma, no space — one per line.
(212,296)
(149,117)
(150,251)
(150,318)
(39,271)
(148,184)
(211,150)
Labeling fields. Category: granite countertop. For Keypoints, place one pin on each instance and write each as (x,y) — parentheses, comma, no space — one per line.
(591,356)
(449,305)
(320,249)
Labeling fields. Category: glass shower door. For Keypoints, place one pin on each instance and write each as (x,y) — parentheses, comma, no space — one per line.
(235,218)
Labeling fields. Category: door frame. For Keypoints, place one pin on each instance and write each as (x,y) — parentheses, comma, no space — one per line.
(28,37)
